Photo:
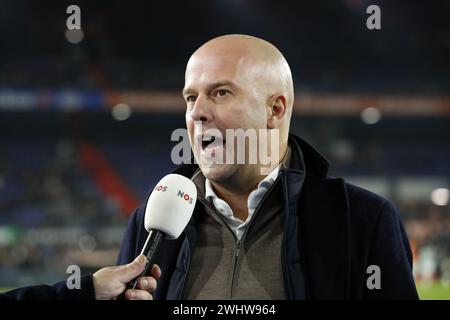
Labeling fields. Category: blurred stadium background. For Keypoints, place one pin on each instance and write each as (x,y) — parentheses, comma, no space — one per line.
(86,116)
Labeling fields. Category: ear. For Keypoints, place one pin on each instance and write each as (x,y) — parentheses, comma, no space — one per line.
(276,110)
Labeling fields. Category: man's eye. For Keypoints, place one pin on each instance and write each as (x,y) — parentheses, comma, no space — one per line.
(222,93)
(191,98)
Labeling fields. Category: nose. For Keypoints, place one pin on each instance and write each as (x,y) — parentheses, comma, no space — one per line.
(201,110)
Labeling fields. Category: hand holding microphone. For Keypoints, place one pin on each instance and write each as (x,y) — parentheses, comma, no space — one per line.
(168,211)
(110,282)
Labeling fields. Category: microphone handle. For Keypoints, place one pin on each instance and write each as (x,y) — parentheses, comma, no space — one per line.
(149,250)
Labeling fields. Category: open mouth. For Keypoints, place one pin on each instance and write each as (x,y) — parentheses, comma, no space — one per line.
(210,141)
(207,141)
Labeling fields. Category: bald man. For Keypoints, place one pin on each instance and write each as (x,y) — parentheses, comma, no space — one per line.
(287,232)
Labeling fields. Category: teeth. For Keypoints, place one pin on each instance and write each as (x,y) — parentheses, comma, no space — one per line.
(211,139)
(206,142)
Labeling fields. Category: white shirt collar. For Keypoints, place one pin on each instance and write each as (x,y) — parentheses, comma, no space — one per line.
(253,200)
(270,178)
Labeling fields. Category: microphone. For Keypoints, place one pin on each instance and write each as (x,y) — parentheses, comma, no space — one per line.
(168,211)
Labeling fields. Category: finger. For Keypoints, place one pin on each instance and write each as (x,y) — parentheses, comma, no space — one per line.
(130,271)
(134,294)
(156,271)
(147,283)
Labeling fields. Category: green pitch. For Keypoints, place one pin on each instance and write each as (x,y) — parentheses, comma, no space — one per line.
(435,291)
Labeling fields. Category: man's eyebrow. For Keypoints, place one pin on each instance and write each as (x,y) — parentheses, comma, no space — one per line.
(211,86)
(220,84)
(185,91)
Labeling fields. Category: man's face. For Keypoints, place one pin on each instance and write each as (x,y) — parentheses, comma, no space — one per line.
(221,93)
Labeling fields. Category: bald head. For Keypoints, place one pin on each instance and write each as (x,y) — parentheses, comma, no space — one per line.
(258,60)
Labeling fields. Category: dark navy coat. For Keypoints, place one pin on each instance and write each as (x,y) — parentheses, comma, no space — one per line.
(333,232)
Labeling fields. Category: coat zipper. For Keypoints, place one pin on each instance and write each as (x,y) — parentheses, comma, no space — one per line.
(244,235)
(239,243)
(238,248)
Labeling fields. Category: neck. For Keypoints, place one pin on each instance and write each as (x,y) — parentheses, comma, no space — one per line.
(237,200)
(235,191)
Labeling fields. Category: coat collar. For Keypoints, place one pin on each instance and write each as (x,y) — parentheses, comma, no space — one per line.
(307,158)
(323,223)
